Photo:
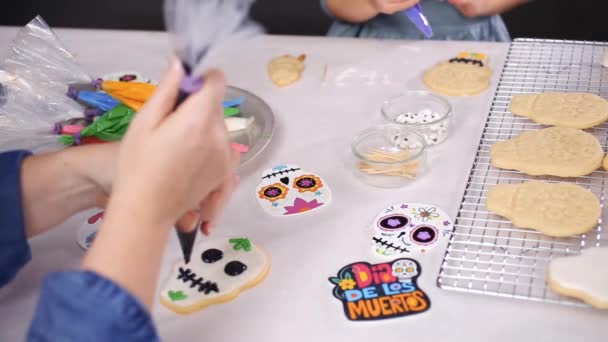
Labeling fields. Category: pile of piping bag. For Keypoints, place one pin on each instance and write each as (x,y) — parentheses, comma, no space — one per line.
(111,126)
(132,95)
(34,76)
(116,114)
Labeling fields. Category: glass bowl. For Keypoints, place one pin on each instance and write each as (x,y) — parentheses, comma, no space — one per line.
(388,156)
(425,113)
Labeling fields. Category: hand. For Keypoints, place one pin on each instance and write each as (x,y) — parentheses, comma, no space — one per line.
(392,6)
(478,8)
(170,161)
(470,8)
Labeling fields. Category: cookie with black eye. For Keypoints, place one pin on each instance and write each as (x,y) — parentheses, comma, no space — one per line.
(212,255)
(235,268)
(223,269)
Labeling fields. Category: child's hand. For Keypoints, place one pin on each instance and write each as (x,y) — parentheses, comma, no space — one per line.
(392,6)
(478,8)
(470,8)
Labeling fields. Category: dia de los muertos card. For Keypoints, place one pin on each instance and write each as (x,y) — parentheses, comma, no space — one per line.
(407,228)
(379,291)
(290,190)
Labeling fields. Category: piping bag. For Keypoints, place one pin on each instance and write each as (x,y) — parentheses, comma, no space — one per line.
(416,16)
(201,29)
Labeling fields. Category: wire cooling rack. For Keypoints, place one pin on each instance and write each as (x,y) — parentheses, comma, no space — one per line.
(486,253)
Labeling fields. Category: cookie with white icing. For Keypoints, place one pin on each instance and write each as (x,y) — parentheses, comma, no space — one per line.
(582,276)
(219,271)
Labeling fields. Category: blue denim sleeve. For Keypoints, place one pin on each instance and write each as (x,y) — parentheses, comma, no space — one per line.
(84,306)
(14,249)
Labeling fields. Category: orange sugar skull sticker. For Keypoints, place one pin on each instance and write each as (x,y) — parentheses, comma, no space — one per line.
(288,190)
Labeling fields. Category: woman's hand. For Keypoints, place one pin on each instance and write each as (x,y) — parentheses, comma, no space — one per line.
(172,160)
(169,162)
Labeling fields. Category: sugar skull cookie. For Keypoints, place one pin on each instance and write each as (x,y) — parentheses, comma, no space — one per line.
(219,271)
(289,190)
(408,228)
(467,74)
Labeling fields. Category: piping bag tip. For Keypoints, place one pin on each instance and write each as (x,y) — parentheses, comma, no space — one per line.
(186,241)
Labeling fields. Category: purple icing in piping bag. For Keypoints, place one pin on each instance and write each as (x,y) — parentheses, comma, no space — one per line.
(191,84)
(77,137)
(92,112)
(57,127)
(72,93)
(415,15)
(97,83)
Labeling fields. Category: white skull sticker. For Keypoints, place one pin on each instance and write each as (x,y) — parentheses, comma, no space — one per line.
(87,232)
(405,270)
(409,228)
(219,270)
(289,190)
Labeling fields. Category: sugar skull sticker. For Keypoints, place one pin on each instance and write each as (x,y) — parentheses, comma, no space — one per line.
(87,232)
(409,228)
(289,190)
(127,76)
(388,290)
(219,270)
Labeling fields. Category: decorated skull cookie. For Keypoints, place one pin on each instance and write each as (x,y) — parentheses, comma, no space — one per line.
(289,190)
(219,270)
(409,228)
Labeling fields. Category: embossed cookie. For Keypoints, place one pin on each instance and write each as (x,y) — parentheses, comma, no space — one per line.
(467,74)
(555,151)
(583,276)
(555,209)
(286,70)
(605,163)
(576,110)
(219,270)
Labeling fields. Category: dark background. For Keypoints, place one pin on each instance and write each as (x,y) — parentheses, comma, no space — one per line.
(560,19)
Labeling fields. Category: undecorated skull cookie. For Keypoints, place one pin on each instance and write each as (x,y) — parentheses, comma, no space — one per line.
(289,190)
(219,270)
(576,110)
(409,228)
(554,151)
(286,70)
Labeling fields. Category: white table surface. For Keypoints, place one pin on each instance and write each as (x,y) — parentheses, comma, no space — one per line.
(316,120)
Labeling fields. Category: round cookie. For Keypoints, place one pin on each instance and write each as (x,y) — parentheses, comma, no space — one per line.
(582,276)
(554,151)
(219,271)
(456,78)
(576,110)
(555,209)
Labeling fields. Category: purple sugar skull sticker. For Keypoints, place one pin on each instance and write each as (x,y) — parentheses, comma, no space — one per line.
(407,228)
